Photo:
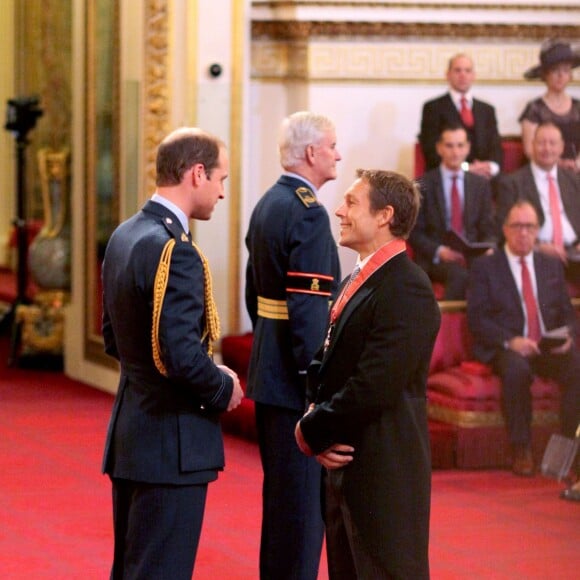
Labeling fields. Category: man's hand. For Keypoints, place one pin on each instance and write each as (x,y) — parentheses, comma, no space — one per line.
(446,254)
(301,442)
(555,251)
(336,456)
(563,348)
(524,346)
(482,168)
(237,392)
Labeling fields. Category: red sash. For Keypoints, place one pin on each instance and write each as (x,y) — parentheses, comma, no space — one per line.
(379,258)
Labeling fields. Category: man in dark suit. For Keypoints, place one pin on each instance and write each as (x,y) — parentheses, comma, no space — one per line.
(459,106)
(368,423)
(164,443)
(554,192)
(515,295)
(471,215)
(292,275)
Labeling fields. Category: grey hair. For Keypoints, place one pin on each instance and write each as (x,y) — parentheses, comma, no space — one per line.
(297,132)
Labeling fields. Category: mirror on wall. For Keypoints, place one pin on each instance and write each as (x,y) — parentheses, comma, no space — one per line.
(102,178)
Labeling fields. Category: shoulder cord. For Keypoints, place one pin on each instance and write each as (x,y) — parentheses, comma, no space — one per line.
(212,322)
(159,287)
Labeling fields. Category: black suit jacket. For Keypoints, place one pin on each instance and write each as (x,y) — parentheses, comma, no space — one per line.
(478,215)
(494,308)
(520,185)
(163,429)
(371,393)
(484,136)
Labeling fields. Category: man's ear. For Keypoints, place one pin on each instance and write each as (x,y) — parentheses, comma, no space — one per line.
(197,172)
(386,215)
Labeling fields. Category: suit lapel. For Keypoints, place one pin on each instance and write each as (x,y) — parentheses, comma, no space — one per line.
(505,273)
(452,109)
(570,200)
(468,199)
(440,200)
(362,294)
(530,186)
(540,281)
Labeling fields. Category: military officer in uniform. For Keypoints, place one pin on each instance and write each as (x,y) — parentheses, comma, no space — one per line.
(292,275)
(164,443)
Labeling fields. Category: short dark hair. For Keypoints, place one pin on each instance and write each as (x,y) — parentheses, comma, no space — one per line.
(394,189)
(181,150)
(452,126)
(520,202)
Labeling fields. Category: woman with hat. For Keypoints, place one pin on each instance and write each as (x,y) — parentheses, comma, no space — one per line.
(557,59)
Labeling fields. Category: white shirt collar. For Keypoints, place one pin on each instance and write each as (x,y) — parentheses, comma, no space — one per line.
(173,208)
(302,178)
(540,173)
(456,96)
(529,258)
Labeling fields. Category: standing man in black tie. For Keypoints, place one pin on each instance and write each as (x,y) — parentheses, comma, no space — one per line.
(459,106)
(164,443)
(292,276)
(368,423)
(515,295)
(453,199)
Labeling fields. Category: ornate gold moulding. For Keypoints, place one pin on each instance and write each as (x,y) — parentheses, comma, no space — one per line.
(304,30)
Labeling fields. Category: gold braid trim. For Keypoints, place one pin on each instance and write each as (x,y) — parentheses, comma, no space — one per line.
(212,320)
(159,287)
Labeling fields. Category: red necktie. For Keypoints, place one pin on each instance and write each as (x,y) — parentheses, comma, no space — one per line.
(456,210)
(466,113)
(530,303)
(557,238)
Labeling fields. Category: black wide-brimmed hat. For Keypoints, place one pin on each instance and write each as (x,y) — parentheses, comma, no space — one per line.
(553,52)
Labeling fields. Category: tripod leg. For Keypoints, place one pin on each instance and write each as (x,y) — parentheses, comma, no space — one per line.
(15,337)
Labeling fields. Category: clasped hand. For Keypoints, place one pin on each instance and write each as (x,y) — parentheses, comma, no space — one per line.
(237,392)
(336,456)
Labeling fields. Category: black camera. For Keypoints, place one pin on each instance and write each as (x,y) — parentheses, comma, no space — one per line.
(21,115)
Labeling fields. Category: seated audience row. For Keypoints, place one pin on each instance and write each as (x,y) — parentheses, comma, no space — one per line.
(456,201)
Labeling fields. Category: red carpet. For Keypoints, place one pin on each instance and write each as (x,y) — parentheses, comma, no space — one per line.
(55,520)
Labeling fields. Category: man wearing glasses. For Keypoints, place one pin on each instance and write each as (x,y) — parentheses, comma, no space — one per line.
(515,296)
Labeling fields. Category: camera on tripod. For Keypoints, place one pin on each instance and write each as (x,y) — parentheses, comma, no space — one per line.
(21,115)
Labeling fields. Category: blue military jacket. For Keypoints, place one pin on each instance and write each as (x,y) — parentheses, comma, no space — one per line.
(164,427)
(292,274)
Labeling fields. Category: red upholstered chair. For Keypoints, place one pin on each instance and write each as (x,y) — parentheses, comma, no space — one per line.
(235,351)
(466,394)
(419,162)
(513,155)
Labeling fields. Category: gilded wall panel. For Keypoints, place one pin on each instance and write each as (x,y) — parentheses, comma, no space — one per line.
(156,112)
(384,62)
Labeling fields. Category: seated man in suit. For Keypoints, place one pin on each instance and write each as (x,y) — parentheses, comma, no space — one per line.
(553,191)
(515,295)
(459,106)
(452,199)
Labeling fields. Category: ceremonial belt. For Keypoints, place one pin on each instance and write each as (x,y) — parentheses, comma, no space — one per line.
(273,309)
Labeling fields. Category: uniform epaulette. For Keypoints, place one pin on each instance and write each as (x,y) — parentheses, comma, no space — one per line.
(175,229)
(159,287)
(306,196)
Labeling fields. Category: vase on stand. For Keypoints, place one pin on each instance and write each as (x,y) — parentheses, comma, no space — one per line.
(49,260)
